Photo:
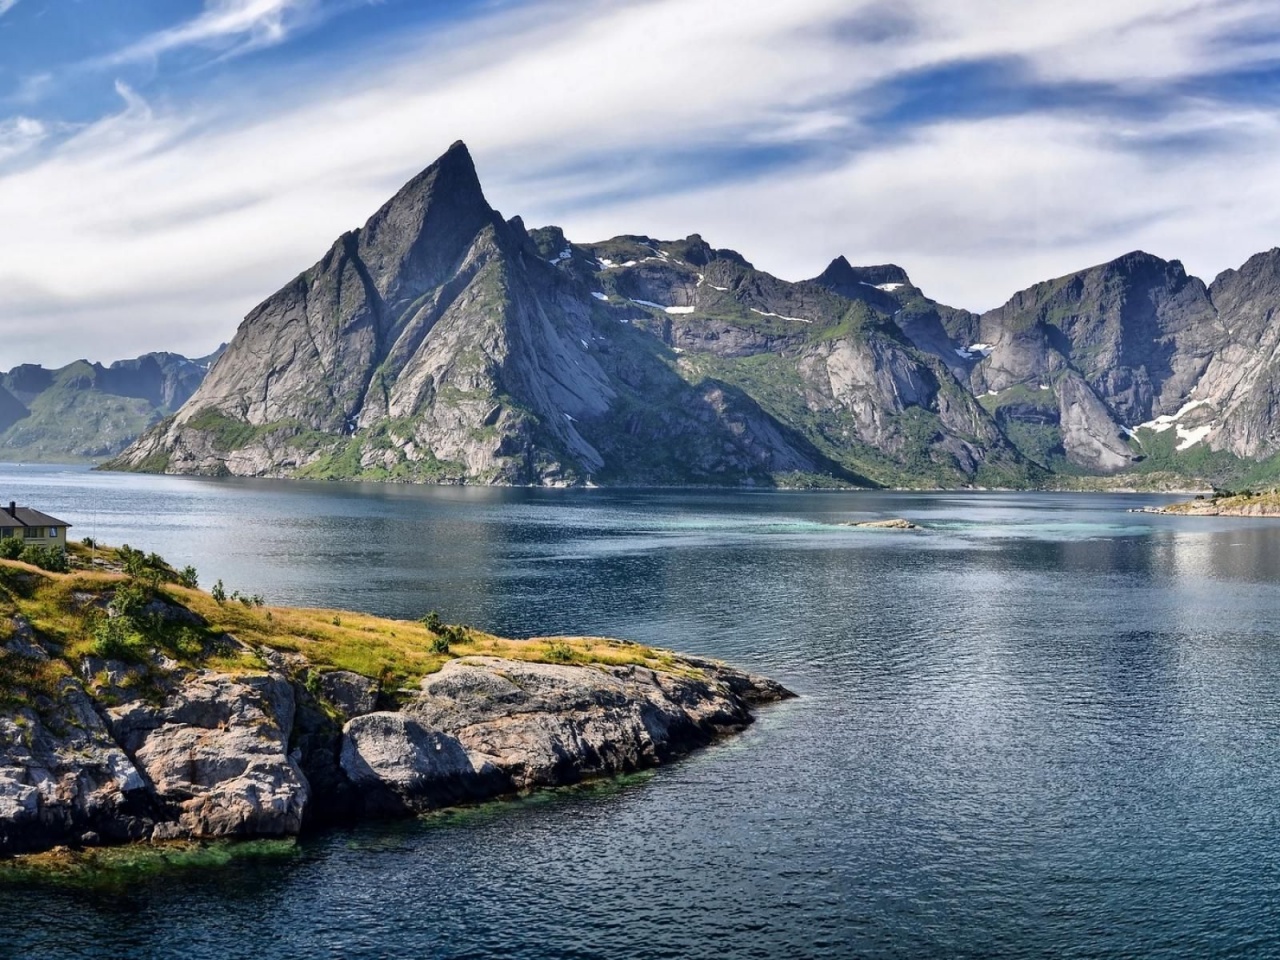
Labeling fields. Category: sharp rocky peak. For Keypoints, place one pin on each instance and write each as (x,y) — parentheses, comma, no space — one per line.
(840,271)
(417,237)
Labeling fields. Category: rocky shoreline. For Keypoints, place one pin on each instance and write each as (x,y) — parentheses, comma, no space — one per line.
(158,749)
(1238,505)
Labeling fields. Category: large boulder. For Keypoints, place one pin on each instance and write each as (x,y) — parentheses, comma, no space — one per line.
(485,726)
(216,754)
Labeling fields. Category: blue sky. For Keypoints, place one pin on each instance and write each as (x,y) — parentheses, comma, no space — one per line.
(167,164)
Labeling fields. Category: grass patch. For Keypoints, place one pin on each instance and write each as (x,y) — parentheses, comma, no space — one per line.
(97,609)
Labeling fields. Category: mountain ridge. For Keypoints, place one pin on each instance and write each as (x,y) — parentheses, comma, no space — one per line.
(86,409)
(441,342)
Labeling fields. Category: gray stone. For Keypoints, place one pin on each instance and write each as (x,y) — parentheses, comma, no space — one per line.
(351,693)
(484,726)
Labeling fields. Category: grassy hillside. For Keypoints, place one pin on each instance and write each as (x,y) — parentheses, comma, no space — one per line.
(119,605)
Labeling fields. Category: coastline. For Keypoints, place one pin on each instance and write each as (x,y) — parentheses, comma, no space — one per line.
(1127,483)
(134,709)
(1259,505)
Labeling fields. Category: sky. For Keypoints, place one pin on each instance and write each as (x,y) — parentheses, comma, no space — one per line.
(165,165)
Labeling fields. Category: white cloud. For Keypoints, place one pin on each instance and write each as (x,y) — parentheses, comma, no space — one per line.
(248,24)
(978,210)
(159,228)
(18,135)
(6,6)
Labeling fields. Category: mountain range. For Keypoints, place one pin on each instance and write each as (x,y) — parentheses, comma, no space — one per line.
(441,342)
(86,410)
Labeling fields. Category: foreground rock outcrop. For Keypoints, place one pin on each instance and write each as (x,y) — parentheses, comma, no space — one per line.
(484,726)
(158,750)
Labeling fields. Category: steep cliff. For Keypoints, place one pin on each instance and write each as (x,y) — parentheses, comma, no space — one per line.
(440,342)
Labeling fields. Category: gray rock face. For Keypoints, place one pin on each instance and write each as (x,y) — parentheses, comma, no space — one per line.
(443,343)
(65,776)
(351,693)
(1138,330)
(216,754)
(172,753)
(1089,433)
(210,759)
(485,726)
(1240,386)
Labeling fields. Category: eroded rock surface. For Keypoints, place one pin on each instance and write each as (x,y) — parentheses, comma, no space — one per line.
(165,752)
(484,726)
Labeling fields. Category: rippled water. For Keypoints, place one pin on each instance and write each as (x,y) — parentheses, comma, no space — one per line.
(1042,726)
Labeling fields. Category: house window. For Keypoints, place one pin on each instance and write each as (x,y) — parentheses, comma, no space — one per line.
(53,533)
(32,532)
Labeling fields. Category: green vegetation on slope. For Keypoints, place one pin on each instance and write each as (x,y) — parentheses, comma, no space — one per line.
(119,604)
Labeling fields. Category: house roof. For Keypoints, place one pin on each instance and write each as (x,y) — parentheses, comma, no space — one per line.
(26,517)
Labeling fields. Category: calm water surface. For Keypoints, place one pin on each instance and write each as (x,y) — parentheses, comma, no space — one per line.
(1043,726)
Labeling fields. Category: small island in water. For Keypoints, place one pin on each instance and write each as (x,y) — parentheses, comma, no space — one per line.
(136,707)
(1244,503)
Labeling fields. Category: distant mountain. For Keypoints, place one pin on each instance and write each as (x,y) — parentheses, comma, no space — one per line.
(1130,366)
(85,410)
(441,342)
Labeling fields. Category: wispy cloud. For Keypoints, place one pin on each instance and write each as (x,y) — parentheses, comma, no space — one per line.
(757,124)
(6,6)
(238,25)
(18,135)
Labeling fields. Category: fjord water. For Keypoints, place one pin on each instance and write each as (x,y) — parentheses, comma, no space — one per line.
(1040,726)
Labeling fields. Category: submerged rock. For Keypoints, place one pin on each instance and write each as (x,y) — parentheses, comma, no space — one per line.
(895,524)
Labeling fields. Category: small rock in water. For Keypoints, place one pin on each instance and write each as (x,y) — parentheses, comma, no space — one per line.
(897,523)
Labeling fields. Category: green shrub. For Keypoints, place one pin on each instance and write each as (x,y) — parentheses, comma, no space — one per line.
(11,547)
(150,567)
(129,599)
(187,577)
(559,652)
(439,644)
(219,592)
(185,643)
(432,622)
(46,558)
(116,638)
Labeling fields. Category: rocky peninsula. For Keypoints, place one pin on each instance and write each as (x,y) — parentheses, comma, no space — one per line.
(1244,504)
(136,707)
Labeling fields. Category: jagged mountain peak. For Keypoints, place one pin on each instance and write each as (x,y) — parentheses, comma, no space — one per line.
(416,238)
(441,342)
(454,169)
(1142,263)
(877,286)
(1259,265)
(841,271)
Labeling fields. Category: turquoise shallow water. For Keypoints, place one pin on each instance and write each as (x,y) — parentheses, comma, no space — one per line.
(1042,726)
